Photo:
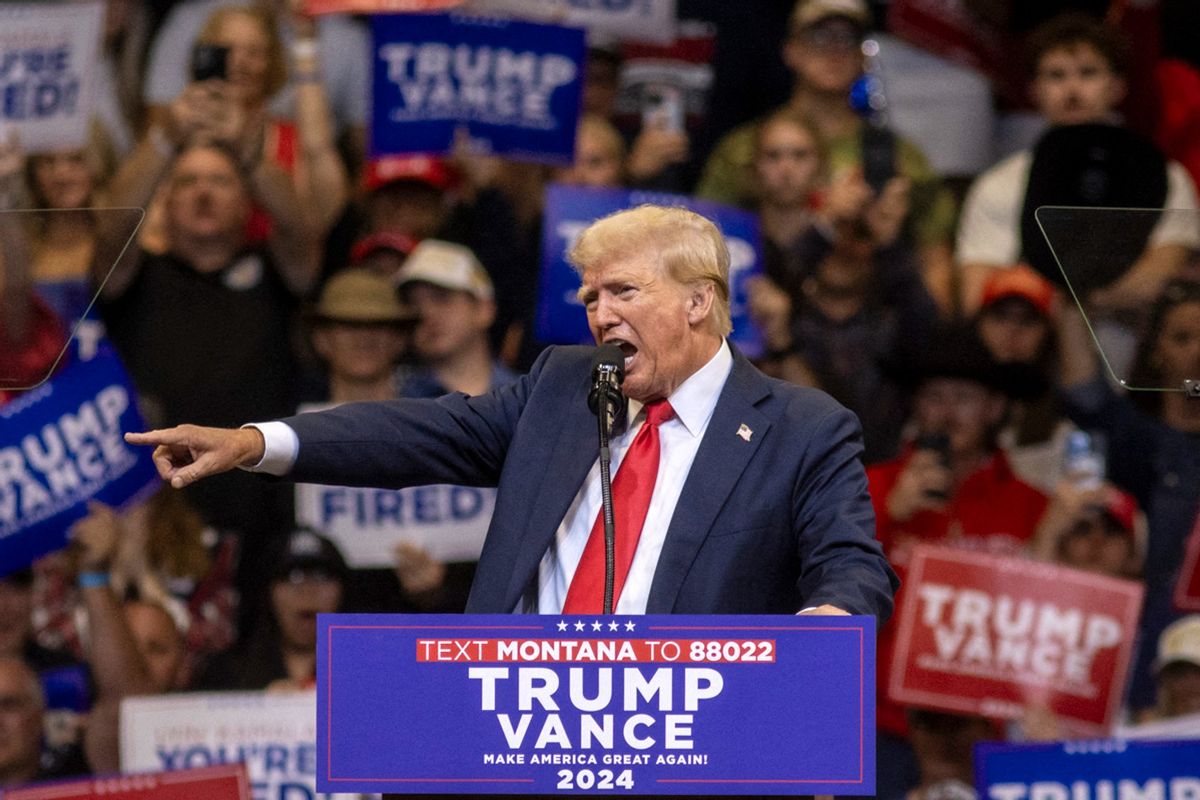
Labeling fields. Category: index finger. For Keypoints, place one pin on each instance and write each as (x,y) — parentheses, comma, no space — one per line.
(156,437)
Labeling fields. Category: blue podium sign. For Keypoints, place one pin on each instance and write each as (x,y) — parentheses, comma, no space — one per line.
(1110,769)
(502,704)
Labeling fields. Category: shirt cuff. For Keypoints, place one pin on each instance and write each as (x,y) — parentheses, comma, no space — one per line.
(281,446)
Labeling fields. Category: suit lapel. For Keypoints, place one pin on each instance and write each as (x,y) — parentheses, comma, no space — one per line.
(573,454)
(720,461)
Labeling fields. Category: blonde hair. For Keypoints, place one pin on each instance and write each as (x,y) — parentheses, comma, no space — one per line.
(276,76)
(800,121)
(688,247)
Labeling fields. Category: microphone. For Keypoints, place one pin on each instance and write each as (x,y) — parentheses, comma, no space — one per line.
(608,371)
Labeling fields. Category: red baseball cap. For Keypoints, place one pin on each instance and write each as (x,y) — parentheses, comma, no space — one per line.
(1019,281)
(424,168)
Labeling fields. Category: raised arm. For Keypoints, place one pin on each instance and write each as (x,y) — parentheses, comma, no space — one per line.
(322,179)
(115,265)
(117,666)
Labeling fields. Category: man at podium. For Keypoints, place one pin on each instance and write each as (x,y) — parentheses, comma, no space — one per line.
(732,492)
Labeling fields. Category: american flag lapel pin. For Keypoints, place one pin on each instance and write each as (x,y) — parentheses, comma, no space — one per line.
(745,432)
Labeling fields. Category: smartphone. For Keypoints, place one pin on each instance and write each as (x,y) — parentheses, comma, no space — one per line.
(662,107)
(209,62)
(1084,461)
(938,443)
(878,156)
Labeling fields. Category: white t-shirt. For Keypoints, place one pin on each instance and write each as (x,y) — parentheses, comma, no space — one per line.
(989,230)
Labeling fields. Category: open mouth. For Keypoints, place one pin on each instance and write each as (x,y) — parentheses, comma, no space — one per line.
(628,349)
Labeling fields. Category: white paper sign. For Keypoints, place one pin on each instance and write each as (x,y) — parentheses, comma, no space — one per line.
(274,734)
(450,522)
(635,20)
(1185,727)
(48,71)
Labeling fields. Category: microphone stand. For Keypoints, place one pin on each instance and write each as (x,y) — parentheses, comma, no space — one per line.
(605,420)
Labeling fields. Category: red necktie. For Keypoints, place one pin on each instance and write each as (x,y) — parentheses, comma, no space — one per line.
(631,490)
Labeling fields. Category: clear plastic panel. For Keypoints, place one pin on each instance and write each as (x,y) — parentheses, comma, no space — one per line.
(49,293)
(1092,251)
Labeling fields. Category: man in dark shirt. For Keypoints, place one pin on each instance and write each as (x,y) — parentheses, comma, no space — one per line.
(213,306)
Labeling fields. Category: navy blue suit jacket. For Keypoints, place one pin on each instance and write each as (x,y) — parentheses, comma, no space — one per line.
(770,525)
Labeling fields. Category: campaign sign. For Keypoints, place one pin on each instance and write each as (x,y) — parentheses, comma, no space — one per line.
(569,209)
(1183,727)
(991,635)
(568,704)
(61,445)
(271,733)
(1089,770)
(448,522)
(213,783)
(48,55)
(1187,586)
(515,87)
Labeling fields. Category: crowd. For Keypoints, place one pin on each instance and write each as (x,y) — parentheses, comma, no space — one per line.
(280,267)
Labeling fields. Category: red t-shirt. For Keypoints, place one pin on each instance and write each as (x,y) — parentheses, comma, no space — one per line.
(992,510)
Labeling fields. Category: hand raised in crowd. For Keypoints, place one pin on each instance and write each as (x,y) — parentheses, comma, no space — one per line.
(885,216)
(94,538)
(189,113)
(187,453)
(656,148)
(771,310)
(417,570)
(1070,504)
(922,486)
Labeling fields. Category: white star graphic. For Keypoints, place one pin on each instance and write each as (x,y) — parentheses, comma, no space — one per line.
(629,625)
(596,625)
(614,625)
(562,625)
(579,625)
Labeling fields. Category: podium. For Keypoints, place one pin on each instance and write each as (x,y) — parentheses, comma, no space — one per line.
(627,705)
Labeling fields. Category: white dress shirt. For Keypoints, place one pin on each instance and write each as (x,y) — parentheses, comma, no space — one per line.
(679,439)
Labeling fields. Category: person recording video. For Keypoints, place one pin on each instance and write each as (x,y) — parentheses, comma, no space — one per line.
(739,494)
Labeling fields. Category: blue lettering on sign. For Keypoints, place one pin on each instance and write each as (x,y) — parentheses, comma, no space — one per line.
(425,507)
(387,506)
(465,502)
(284,791)
(39,83)
(430,505)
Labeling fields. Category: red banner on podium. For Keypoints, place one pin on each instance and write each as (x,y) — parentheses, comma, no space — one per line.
(1187,588)
(992,635)
(211,783)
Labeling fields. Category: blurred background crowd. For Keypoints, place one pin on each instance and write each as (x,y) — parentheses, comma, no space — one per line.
(280,266)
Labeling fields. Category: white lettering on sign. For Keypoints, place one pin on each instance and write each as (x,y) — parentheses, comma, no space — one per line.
(1002,634)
